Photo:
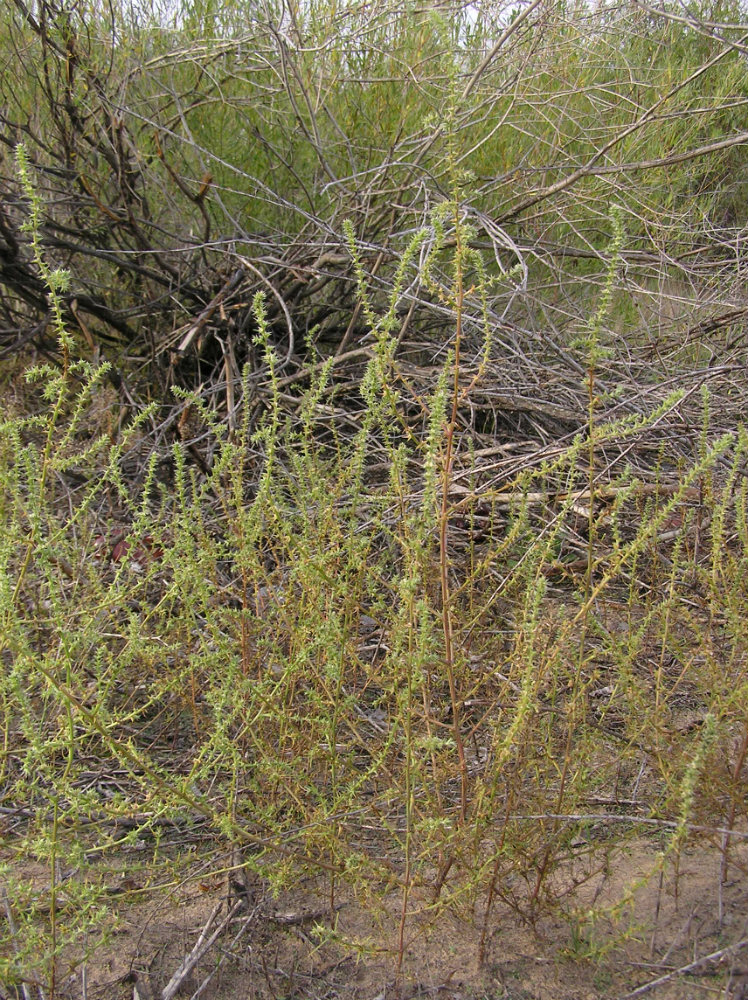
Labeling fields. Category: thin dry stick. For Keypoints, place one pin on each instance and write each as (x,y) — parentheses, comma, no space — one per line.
(246,924)
(506,35)
(202,945)
(691,967)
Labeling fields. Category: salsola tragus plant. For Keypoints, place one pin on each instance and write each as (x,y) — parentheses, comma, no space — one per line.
(307,655)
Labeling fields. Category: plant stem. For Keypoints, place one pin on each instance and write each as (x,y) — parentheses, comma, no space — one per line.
(449,657)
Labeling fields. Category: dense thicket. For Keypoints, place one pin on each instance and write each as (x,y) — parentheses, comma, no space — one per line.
(189,158)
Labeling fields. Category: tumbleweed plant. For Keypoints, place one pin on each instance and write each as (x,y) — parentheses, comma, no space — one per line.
(322,656)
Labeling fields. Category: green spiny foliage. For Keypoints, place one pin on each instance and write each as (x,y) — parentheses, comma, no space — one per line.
(213,657)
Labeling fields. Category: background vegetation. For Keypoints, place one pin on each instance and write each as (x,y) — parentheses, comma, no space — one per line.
(372,469)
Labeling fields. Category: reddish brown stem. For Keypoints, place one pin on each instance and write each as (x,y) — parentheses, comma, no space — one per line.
(449,658)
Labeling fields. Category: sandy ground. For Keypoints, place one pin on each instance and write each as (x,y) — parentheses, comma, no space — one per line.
(246,944)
